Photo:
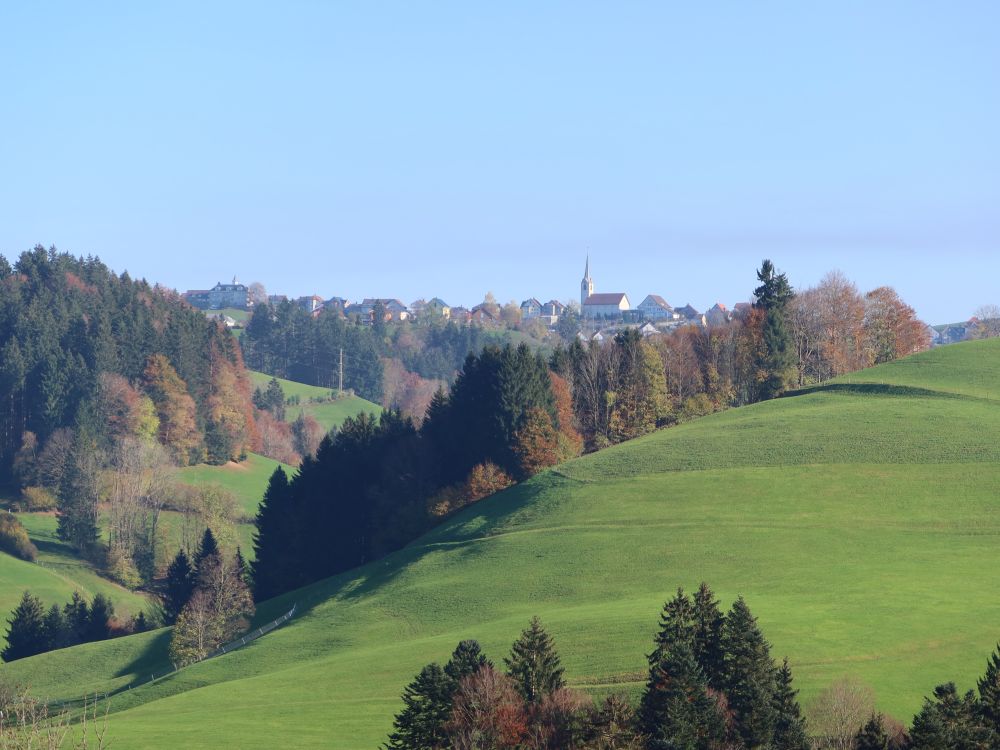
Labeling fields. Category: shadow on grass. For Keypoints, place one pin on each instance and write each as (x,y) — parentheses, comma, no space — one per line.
(475,523)
(875,389)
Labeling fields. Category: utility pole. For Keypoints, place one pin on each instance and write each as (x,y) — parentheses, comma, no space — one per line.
(341,389)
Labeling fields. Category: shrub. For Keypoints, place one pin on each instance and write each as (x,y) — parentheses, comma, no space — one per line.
(38,498)
(14,538)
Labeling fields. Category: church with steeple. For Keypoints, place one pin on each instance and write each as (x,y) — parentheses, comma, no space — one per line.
(608,305)
(587,285)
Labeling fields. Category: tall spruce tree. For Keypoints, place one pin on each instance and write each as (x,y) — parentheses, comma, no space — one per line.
(677,625)
(533,663)
(76,613)
(989,692)
(427,708)
(789,725)
(98,623)
(676,711)
(207,547)
(179,586)
(749,676)
(950,721)
(778,357)
(872,736)
(26,634)
(274,542)
(466,660)
(708,622)
(54,628)
(78,495)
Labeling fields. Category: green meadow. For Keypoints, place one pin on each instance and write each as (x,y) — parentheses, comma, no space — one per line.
(315,402)
(246,480)
(57,573)
(859,519)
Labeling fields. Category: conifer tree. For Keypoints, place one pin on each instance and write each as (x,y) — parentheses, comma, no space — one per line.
(77,616)
(208,546)
(533,663)
(872,736)
(77,496)
(676,711)
(789,725)
(466,659)
(989,692)
(179,586)
(950,721)
(677,625)
(708,622)
(427,708)
(26,629)
(101,612)
(772,296)
(54,628)
(241,565)
(273,542)
(749,676)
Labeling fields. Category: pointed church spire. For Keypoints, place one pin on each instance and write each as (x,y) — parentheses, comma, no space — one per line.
(587,285)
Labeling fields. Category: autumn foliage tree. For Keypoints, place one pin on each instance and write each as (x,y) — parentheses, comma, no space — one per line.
(178,425)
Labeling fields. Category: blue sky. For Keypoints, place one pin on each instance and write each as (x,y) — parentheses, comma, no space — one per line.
(413,150)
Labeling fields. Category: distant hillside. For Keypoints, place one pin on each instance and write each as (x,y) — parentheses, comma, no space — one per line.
(317,402)
(859,518)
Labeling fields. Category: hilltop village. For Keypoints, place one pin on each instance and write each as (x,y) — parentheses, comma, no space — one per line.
(595,315)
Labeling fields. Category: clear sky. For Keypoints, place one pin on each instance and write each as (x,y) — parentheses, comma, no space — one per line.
(419,149)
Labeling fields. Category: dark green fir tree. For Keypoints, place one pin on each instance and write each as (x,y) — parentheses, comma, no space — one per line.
(872,736)
(789,725)
(951,721)
(708,622)
(749,676)
(26,629)
(54,628)
(989,692)
(208,546)
(179,586)
(427,708)
(99,622)
(76,614)
(677,625)
(533,663)
(676,711)
(466,660)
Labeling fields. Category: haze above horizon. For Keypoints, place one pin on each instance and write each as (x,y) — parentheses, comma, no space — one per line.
(405,151)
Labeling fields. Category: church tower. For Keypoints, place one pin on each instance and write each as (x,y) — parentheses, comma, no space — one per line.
(587,285)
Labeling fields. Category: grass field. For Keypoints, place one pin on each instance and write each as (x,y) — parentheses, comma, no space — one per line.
(328,414)
(859,519)
(247,479)
(56,574)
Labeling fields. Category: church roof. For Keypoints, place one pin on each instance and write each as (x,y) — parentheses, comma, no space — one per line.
(605,298)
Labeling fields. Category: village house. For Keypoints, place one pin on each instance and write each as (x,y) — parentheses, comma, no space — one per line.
(437,307)
(219,296)
(530,308)
(551,312)
(717,315)
(654,307)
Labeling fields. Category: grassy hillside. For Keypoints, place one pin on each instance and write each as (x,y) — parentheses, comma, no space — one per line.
(327,413)
(859,520)
(247,479)
(56,574)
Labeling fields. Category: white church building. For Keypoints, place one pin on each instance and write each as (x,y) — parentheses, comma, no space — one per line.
(601,306)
